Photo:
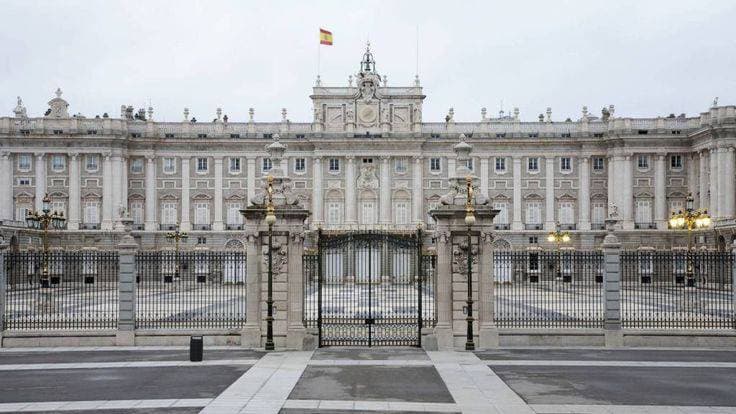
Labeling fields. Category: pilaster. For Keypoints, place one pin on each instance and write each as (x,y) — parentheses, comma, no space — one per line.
(74,192)
(584,197)
(517,224)
(107,190)
(184,223)
(6,186)
(217,224)
(660,195)
(40,180)
(151,199)
(317,203)
(549,186)
(385,201)
(350,193)
(250,179)
(418,190)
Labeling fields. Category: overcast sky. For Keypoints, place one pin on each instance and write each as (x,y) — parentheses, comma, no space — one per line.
(648,58)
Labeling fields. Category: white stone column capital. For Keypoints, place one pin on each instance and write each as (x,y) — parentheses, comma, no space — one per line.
(39,155)
(317,159)
(385,158)
(417,159)
(350,159)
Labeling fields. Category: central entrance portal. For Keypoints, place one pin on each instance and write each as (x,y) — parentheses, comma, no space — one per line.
(372,289)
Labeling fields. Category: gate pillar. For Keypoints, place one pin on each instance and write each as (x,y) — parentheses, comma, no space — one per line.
(451,235)
(287,246)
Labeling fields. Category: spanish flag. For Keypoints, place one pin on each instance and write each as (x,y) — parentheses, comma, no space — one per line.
(325,37)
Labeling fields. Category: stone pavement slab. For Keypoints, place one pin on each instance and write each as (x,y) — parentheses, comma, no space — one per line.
(371,383)
(370,354)
(599,354)
(89,356)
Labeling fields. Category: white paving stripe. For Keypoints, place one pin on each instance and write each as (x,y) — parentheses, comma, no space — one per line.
(124,364)
(372,406)
(264,388)
(385,362)
(475,387)
(141,348)
(628,409)
(566,363)
(102,405)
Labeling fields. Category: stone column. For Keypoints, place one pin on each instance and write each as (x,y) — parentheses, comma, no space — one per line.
(488,332)
(517,224)
(721,153)
(450,166)
(218,225)
(295,331)
(484,176)
(6,187)
(611,183)
(40,180)
(250,179)
(418,190)
(660,193)
(703,187)
(184,223)
(549,186)
(124,183)
(612,290)
(107,197)
(443,329)
(692,181)
(151,201)
(584,196)
(251,333)
(127,248)
(729,186)
(714,183)
(385,200)
(627,190)
(317,192)
(117,191)
(74,192)
(350,194)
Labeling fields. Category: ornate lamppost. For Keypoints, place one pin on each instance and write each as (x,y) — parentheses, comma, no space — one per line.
(41,221)
(270,221)
(469,221)
(177,236)
(558,238)
(689,220)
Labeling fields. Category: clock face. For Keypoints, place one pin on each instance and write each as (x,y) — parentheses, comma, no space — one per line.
(367,114)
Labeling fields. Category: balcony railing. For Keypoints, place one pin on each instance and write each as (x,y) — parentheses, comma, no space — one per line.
(645,225)
(597,226)
(138,227)
(533,226)
(167,227)
(568,226)
(233,227)
(89,226)
(202,227)
(500,226)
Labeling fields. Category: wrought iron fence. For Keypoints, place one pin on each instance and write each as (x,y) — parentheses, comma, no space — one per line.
(677,290)
(548,289)
(188,290)
(310,268)
(61,290)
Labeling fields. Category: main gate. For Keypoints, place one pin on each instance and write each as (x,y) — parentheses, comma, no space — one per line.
(371,288)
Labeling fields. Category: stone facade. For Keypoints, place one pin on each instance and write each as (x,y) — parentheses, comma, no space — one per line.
(367,160)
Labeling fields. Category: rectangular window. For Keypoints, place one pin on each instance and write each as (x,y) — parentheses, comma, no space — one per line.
(169,166)
(435,165)
(91,212)
(300,164)
(24,162)
(677,206)
(59,207)
(21,213)
(168,213)
(334,212)
(533,212)
(334,165)
(24,181)
(92,163)
(267,164)
(234,165)
(598,215)
(643,162)
(202,165)
(598,164)
(136,212)
(533,164)
(367,160)
(567,212)
(201,213)
(234,218)
(503,213)
(136,166)
(565,164)
(402,212)
(500,164)
(58,163)
(643,211)
(400,165)
(676,162)
(368,212)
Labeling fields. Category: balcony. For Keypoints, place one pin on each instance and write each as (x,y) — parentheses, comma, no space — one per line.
(167,227)
(502,226)
(533,226)
(138,227)
(568,226)
(233,227)
(89,226)
(597,226)
(202,227)
(645,225)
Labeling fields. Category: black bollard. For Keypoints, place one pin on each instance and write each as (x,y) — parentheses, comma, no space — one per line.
(196,348)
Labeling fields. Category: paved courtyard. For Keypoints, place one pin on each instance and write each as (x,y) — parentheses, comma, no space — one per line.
(362,380)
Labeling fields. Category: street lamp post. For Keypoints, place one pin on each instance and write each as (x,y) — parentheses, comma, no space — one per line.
(559,237)
(41,221)
(270,221)
(177,236)
(689,220)
(469,221)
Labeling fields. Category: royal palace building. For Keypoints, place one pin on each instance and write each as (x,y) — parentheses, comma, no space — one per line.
(367,159)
